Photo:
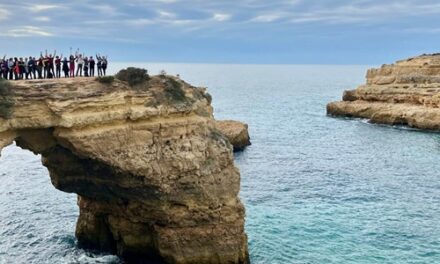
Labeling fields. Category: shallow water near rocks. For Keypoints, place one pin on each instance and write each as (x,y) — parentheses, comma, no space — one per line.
(316,189)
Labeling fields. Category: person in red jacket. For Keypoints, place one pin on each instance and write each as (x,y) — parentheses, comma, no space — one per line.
(16,68)
(72,66)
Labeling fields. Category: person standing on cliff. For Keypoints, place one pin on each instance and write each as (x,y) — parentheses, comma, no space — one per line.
(72,65)
(16,68)
(92,66)
(58,66)
(79,63)
(40,65)
(99,64)
(3,68)
(31,68)
(104,65)
(11,66)
(86,66)
(66,67)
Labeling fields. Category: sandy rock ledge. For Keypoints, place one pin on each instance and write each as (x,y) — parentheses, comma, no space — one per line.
(236,132)
(404,93)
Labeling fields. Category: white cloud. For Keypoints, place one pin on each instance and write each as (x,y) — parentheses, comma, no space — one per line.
(365,11)
(221,17)
(105,9)
(166,1)
(139,22)
(4,14)
(267,18)
(40,8)
(165,14)
(179,22)
(42,18)
(27,31)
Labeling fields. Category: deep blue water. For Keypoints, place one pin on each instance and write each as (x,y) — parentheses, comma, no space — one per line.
(316,189)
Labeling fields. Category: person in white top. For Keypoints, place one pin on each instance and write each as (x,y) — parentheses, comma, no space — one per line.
(80,63)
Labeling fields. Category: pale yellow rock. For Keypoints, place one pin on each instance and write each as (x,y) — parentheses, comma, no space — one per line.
(404,93)
(236,132)
(155,180)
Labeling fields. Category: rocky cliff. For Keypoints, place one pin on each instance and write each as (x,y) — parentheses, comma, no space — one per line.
(155,179)
(404,93)
(236,132)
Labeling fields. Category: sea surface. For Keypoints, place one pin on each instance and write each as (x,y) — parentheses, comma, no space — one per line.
(317,189)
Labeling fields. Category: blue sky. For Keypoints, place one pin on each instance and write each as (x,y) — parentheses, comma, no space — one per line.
(227,31)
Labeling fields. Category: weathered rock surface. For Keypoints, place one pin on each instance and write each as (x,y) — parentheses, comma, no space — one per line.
(155,179)
(236,132)
(404,93)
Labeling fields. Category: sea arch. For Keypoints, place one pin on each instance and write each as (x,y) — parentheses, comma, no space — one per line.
(155,180)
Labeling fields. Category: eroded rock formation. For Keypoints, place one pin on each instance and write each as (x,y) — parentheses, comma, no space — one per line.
(404,93)
(236,132)
(155,179)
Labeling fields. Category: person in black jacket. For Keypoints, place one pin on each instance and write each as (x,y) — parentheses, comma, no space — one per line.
(66,67)
(86,66)
(92,66)
(104,65)
(31,68)
(57,62)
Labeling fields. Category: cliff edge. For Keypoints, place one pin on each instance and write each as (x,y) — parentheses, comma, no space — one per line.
(404,93)
(155,179)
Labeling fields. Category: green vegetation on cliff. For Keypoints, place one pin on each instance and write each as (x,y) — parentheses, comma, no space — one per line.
(105,79)
(133,76)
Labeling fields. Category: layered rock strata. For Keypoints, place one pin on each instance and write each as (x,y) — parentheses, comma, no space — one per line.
(155,179)
(236,132)
(404,93)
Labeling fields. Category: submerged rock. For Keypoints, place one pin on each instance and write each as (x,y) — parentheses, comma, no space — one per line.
(404,93)
(236,132)
(155,180)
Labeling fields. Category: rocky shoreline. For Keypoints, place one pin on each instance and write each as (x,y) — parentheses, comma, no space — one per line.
(404,93)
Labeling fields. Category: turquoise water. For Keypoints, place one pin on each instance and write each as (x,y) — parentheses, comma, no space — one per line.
(316,189)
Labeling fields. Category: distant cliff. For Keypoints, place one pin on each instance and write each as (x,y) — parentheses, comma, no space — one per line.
(155,179)
(404,93)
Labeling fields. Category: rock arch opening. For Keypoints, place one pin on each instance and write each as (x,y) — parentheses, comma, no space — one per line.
(37,222)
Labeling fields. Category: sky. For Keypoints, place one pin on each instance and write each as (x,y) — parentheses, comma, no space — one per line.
(226,31)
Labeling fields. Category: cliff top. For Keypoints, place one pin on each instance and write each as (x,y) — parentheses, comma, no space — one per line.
(91,101)
(421,60)
(79,87)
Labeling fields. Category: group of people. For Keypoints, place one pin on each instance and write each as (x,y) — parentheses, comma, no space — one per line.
(51,66)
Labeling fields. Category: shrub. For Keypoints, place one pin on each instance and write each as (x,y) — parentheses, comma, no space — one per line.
(174,90)
(105,79)
(133,76)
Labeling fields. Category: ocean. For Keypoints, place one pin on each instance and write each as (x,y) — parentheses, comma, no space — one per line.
(316,189)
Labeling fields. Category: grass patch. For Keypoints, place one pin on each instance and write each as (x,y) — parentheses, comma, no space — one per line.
(133,76)
(6,103)
(105,79)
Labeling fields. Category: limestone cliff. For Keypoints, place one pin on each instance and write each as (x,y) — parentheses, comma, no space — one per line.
(236,132)
(155,179)
(404,93)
